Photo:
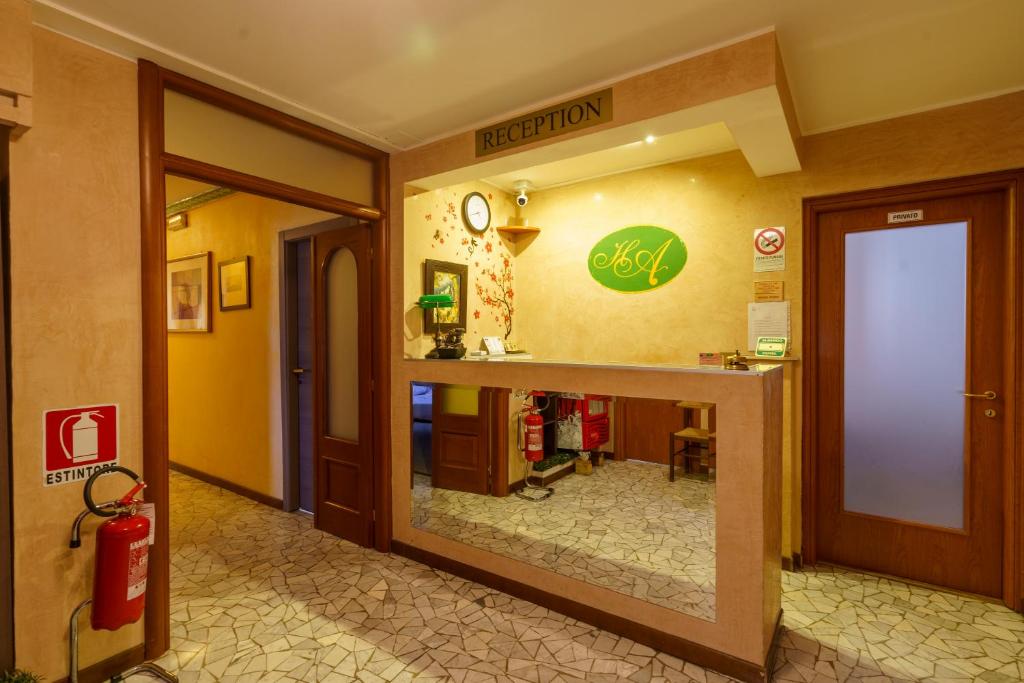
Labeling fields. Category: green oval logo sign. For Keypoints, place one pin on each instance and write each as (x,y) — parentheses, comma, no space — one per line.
(637,259)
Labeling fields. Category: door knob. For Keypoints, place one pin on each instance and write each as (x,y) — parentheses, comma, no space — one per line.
(988,395)
(299,371)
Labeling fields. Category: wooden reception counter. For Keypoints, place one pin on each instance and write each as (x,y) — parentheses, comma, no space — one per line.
(739,641)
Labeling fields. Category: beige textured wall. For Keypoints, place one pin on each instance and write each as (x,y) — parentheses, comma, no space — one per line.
(75,326)
(434,230)
(224,387)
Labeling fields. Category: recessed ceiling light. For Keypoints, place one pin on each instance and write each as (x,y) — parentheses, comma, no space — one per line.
(598,196)
(649,139)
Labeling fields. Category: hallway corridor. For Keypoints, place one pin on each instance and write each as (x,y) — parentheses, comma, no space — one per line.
(259,595)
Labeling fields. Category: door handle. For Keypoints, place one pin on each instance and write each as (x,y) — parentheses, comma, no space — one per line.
(988,395)
(299,371)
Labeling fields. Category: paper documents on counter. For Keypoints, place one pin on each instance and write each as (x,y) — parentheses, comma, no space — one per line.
(767,320)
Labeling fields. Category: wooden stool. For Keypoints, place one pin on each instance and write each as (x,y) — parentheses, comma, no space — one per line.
(694,434)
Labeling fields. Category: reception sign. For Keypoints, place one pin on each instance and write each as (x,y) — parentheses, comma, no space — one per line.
(637,259)
(542,124)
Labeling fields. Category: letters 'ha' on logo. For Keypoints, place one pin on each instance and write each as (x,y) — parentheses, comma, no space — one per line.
(637,259)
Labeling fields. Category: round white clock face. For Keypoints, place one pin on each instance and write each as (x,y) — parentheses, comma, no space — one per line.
(476,212)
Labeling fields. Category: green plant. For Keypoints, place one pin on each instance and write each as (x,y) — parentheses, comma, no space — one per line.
(19,676)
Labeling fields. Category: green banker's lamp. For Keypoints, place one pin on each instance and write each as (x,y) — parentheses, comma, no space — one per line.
(449,344)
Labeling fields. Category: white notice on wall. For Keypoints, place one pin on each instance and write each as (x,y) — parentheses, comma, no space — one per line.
(769,249)
(767,320)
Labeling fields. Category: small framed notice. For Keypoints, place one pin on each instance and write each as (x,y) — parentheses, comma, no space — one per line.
(771,347)
(768,290)
(494,346)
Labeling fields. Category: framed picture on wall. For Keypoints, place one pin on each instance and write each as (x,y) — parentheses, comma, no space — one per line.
(443,277)
(234,284)
(188,293)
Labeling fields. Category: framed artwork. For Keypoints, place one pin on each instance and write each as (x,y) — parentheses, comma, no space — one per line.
(234,281)
(188,293)
(443,277)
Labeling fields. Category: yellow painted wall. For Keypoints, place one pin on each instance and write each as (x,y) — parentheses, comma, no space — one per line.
(75,322)
(434,230)
(714,204)
(224,387)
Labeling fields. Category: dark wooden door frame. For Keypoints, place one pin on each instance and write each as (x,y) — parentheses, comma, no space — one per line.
(1011,184)
(155,162)
(498,406)
(289,396)
(6,484)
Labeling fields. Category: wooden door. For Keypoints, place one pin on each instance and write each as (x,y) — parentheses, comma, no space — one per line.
(460,438)
(342,405)
(303,425)
(911,333)
(642,426)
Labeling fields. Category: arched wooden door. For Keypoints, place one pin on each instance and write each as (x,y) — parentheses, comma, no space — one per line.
(342,405)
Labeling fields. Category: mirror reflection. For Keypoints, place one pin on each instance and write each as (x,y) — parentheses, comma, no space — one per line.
(615,491)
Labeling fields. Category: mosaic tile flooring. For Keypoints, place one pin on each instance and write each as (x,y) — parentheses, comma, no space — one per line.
(625,527)
(259,595)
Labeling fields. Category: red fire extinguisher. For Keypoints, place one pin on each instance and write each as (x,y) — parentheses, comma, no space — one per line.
(122,556)
(533,448)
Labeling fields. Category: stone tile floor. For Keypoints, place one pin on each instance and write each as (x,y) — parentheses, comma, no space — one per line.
(625,527)
(259,595)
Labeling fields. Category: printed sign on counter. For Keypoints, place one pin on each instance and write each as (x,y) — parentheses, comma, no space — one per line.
(77,442)
(494,346)
(769,249)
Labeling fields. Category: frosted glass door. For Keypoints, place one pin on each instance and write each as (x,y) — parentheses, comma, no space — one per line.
(342,311)
(904,373)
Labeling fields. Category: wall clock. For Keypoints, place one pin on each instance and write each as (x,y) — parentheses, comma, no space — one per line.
(476,212)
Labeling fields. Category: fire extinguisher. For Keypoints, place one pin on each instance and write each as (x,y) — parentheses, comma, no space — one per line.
(122,566)
(533,447)
(122,555)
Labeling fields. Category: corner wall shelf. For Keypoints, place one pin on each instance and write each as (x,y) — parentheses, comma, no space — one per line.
(518,229)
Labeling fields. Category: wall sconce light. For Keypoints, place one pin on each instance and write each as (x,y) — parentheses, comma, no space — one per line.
(178,221)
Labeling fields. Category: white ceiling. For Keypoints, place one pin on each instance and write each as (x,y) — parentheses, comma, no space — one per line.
(396,73)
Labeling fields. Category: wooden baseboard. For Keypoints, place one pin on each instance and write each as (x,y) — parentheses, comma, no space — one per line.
(700,655)
(111,666)
(276,503)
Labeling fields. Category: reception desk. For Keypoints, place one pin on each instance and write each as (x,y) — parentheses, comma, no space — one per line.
(739,639)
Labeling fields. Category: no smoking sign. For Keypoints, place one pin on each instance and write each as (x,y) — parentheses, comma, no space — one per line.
(769,249)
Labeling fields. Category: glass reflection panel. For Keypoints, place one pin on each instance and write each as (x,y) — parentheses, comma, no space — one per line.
(904,373)
(341,297)
(613,519)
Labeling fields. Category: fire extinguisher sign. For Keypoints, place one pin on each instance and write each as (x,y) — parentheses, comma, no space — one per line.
(79,441)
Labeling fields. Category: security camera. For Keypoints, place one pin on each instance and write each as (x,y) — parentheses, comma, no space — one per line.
(521,186)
